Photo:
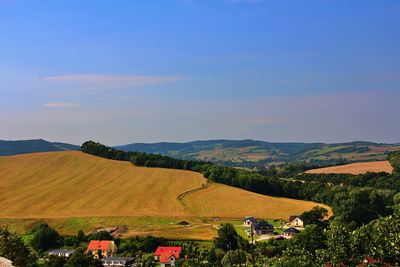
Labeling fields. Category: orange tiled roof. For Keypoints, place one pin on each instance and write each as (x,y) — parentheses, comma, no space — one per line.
(161,250)
(165,256)
(102,245)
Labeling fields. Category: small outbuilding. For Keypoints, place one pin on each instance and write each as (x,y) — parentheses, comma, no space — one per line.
(118,261)
(263,228)
(249,220)
(62,252)
(290,232)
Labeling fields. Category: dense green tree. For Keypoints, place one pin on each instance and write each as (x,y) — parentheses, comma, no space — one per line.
(235,258)
(12,248)
(228,239)
(44,237)
(339,250)
(385,242)
(79,259)
(308,243)
(314,216)
(215,256)
(394,159)
(80,236)
(362,205)
(54,261)
(101,235)
(69,241)
(145,259)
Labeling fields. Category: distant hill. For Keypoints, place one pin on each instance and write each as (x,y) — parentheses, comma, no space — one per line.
(8,148)
(250,153)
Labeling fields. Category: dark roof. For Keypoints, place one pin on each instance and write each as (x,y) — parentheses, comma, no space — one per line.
(183,223)
(292,217)
(292,230)
(263,225)
(250,218)
(117,259)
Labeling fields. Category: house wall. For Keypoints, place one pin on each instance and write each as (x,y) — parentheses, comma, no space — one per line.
(106,253)
(297,222)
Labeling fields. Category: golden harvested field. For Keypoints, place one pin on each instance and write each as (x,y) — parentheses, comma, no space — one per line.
(225,201)
(66,184)
(61,187)
(357,168)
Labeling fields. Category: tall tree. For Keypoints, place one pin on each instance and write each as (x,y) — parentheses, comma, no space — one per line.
(44,237)
(12,248)
(228,239)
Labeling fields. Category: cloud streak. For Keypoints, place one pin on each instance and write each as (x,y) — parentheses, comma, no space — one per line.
(110,81)
(61,105)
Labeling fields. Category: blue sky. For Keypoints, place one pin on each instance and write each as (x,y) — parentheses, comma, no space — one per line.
(180,70)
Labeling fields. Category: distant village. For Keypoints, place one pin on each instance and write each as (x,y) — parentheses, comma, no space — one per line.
(265,230)
(165,256)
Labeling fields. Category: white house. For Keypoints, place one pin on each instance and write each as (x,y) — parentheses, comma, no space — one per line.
(61,252)
(249,220)
(167,256)
(296,222)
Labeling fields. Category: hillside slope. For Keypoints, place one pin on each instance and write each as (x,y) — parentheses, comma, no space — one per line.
(68,184)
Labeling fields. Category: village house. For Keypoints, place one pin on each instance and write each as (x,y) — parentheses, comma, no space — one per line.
(295,221)
(290,232)
(118,261)
(263,228)
(61,252)
(167,256)
(102,248)
(249,220)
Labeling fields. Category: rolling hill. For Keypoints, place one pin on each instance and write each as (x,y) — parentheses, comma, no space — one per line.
(357,168)
(239,153)
(252,153)
(8,148)
(74,184)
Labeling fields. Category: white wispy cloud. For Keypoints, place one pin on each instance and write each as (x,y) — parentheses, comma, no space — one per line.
(61,105)
(110,81)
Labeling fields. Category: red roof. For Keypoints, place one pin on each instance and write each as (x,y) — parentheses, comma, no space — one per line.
(102,245)
(166,256)
(162,250)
